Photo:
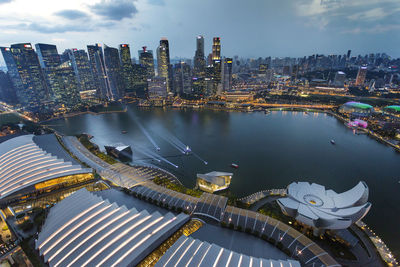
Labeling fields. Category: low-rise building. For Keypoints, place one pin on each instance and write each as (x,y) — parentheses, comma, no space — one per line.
(214,181)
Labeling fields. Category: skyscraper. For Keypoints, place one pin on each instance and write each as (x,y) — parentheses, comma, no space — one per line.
(7,91)
(48,55)
(163,62)
(182,78)
(31,88)
(80,64)
(348,54)
(66,90)
(114,72)
(127,68)
(146,59)
(361,75)
(340,77)
(216,58)
(13,72)
(227,74)
(199,59)
(96,60)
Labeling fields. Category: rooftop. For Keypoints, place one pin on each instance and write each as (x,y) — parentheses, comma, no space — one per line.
(358,105)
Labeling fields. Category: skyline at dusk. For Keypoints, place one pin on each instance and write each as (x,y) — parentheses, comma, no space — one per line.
(286,28)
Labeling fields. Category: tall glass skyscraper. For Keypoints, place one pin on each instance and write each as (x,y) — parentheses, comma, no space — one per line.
(114,72)
(24,65)
(66,90)
(127,68)
(146,59)
(163,62)
(96,60)
(216,60)
(48,55)
(80,64)
(227,74)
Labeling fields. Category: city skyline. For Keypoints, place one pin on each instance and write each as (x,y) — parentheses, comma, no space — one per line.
(324,27)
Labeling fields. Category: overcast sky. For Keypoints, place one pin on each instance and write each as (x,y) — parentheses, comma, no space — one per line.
(248,28)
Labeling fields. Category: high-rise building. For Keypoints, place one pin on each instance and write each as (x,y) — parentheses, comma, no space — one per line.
(65,86)
(48,55)
(361,75)
(24,64)
(163,62)
(7,91)
(227,74)
(182,79)
(114,72)
(140,81)
(340,77)
(199,59)
(157,88)
(96,60)
(348,54)
(13,72)
(146,59)
(80,64)
(127,68)
(216,48)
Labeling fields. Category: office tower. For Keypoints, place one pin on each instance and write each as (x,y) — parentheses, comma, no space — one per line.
(13,72)
(114,72)
(199,59)
(157,87)
(209,59)
(65,86)
(163,62)
(7,91)
(80,63)
(182,79)
(48,55)
(127,68)
(227,74)
(209,87)
(362,73)
(348,54)
(262,68)
(96,60)
(24,64)
(216,48)
(146,59)
(140,81)
(340,77)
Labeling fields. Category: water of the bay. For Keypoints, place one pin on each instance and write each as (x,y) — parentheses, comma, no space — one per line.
(271,150)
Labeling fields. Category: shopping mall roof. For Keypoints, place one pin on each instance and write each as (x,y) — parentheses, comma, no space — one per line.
(393,107)
(215,177)
(27,160)
(188,251)
(87,230)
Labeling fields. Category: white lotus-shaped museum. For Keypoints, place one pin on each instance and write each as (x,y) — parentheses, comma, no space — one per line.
(315,206)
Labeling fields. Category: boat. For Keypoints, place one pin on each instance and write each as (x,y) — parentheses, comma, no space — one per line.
(333,142)
(233,165)
(124,132)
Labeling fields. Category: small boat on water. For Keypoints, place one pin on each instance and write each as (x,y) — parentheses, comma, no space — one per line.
(233,165)
(333,142)
(124,132)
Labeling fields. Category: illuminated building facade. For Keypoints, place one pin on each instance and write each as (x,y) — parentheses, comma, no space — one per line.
(356,109)
(42,164)
(213,181)
(157,87)
(65,85)
(97,65)
(227,74)
(127,68)
(340,78)
(361,75)
(146,59)
(182,78)
(26,75)
(48,55)
(7,91)
(84,75)
(163,62)
(114,72)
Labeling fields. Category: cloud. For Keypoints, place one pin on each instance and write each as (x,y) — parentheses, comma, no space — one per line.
(114,9)
(71,14)
(5,1)
(156,2)
(45,28)
(375,29)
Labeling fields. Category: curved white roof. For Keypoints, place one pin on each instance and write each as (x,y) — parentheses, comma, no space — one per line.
(87,230)
(23,163)
(313,205)
(193,252)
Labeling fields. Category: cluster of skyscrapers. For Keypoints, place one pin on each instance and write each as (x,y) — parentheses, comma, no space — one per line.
(42,78)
